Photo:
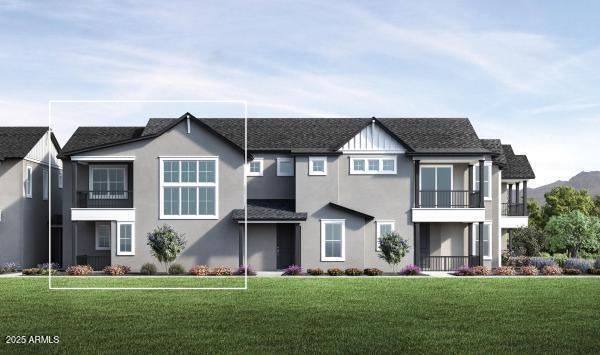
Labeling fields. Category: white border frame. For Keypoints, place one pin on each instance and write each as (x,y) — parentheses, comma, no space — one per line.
(490,239)
(92,167)
(288,159)
(373,172)
(436,166)
(379,223)
(96,228)
(324,222)
(244,103)
(261,161)
(486,165)
(311,161)
(119,251)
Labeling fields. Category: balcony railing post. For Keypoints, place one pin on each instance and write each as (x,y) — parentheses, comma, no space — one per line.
(525,212)
(417,183)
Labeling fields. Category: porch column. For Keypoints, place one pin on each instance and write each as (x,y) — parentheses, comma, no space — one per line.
(525,212)
(481,169)
(74,230)
(74,184)
(517,201)
(417,228)
(471,203)
(417,183)
(510,193)
(470,245)
(510,247)
(241,243)
(480,243)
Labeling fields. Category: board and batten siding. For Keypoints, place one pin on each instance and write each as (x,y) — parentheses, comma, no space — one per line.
(40,151)
(373,139)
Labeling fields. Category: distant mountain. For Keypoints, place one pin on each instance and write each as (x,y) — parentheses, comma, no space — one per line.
(589,180)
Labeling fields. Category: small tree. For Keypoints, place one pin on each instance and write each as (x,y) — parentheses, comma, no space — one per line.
(393,248)
(564,199)
(573,231)
(165,244)
(528,241)
(536,218)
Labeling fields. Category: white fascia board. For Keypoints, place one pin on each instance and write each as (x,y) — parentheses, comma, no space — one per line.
(102,158)
(461,215)
(449,160)
(510,222)
(103,214)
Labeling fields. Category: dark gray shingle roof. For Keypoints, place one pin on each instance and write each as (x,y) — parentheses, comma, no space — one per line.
(517,166)
(17,142)
(351,210)
(270,210)
(87,137)
(495,146)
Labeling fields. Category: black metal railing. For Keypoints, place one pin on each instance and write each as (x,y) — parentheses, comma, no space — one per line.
(105,199)
(513,209)
(448,199)
(97,262)
(446,263)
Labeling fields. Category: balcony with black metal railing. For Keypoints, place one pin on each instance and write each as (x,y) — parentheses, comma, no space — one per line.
(105,199)
(513,209)
(448,199)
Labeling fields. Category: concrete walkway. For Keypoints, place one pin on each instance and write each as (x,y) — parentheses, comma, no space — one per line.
(438,274)
(11,274)
(269,273)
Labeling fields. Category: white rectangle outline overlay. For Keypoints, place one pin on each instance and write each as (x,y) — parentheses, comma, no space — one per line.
(245,288)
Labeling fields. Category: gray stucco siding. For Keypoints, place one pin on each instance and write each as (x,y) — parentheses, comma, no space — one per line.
(11,226)
(269,185)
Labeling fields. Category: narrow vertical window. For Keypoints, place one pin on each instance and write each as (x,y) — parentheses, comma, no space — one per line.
(28,184)
(333,240)
(45,183)
(60,179)
(487,246)
(487,173)
(125,238)
(383,228)
(102,236)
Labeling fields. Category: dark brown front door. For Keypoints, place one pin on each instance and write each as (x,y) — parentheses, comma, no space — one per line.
(285,245)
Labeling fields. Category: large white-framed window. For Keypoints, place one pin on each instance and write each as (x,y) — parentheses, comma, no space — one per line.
(189,187)
(487,179)
(28,183)
(255,167)
(125,238)
(317,165)
(436,183)
(103,236)
(285,166)
(45,184)
(60,179)
(383,228)
(333,239)
(108,181)
(487,240)
(372,166)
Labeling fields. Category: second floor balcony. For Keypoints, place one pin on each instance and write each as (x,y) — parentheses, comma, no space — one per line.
(513,209)
(448,199)
(104,199)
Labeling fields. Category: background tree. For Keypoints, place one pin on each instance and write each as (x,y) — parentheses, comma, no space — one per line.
(393,248)
(564,199)
(572,232)
(528,241)
(596,211)
(165,244)
(535,214)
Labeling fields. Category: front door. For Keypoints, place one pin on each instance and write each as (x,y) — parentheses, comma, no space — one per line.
(285,245)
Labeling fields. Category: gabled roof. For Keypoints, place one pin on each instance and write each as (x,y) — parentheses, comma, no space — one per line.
(17,142)
(495,146)
(351,211)
(517,167)
(299,135)
(270,210)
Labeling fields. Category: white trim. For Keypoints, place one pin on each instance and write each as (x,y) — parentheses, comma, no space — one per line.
(28,182)
(311,161)
(188,125)
(476,237)
(45,184)
(378,230)
(102,158)
(123,196)
(261,162)
(378,152)
(43,162)
(342,222)
(280,160)
(459,215)
(509,222)
(486,165)
(103,224)
(368,171)
(499,216)
(179,185)
(132,252)
(103,214)
(425,159)
(372,139)
(268,222)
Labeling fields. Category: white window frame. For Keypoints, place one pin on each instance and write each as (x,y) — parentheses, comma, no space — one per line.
(311,161)
(487,165)
(93,195)
(60,179)
(436,166)
(98,225)
(378,235)
(261,162)
(380,171)
(180,184)
(119,252)
(476,238)
(324,222)
(45,184)
(281,173)
(28,182)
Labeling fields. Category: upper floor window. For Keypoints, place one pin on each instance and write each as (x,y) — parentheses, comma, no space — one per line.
(255,167)
(285,167)
(188,188)
(60,179)
(45,184)
(383,228)
(317,166)
(436,186)
(487,174)
(487,234)
(108,181)
(372,166)
(333,239)
(28,183)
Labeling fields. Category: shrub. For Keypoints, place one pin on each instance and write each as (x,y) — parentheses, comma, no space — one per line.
(176,269)
(148,269)
(315,272)
(530,270)
(199,270)
(335,272)
(540,263)
(242,270)
(560,259)
(517,261)
(32,271)
(570,271)
(165,244)
(8,267)
(504,271)
(528,241)
(79,270)
(292,270)
(581,264)
(116,270)
(464,271)
(393,248)
(551,270)
(597,263)
(594,271)
(373,272)
(410,270)
(353,272)
(220,271)
(44,267)
(480,270)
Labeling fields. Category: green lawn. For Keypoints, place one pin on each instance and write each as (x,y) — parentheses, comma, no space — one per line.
(332,315)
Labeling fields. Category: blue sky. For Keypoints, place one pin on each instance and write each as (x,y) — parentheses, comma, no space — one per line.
(523,71)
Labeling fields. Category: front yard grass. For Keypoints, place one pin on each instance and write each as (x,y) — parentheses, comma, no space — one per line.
(294,315)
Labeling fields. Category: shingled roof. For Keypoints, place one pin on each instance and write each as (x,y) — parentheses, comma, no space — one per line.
(495,146)
(270,210)
(17,142)
(300,135)
(517,167)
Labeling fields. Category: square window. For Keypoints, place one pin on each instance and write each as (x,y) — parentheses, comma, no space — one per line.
(285,167)
(389,165)
(188,171)
(171,171)
(255,167)
(207,170)
(373,164)
(359,165)
(317,165)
